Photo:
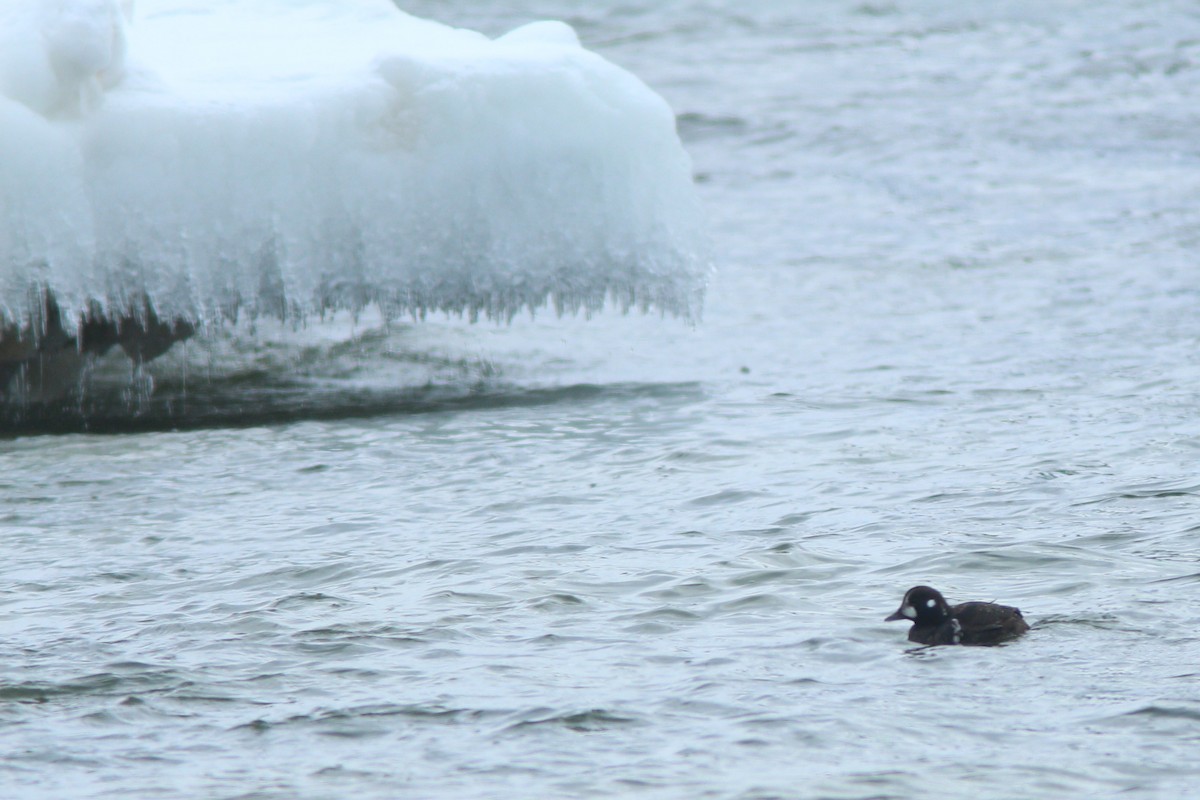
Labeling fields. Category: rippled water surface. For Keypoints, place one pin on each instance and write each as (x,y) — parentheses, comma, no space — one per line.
(953,340)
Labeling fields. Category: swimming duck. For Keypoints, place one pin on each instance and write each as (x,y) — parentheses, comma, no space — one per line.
(937,622)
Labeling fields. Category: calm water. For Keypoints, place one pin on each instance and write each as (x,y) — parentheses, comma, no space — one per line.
(953,340)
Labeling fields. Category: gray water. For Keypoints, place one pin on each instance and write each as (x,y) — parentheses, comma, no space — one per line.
(952,340)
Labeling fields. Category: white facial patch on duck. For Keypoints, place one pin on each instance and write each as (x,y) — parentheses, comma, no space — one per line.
(931,603)
(908,611)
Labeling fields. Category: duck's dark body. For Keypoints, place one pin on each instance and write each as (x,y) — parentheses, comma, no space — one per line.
(937,622)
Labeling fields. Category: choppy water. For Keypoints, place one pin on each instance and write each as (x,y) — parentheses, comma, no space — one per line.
(953,340)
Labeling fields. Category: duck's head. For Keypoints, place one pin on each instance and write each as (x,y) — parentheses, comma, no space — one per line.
(922,605)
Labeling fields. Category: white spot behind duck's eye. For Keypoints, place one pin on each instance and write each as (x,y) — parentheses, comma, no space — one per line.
(931,602)
(909,612)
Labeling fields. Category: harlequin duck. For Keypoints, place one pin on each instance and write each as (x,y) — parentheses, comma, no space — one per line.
(937,622)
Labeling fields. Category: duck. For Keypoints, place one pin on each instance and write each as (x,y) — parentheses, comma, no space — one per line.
(937,622)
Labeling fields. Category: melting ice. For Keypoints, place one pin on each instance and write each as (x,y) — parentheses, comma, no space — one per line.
(176,164)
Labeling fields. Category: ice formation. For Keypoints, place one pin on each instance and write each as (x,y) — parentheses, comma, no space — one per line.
(176,163)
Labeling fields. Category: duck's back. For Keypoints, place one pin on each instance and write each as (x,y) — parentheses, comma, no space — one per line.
(988,623)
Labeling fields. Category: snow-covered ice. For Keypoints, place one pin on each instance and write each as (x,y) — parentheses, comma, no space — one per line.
(201,160)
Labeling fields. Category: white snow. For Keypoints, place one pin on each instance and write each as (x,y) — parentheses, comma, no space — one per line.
(284,157)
